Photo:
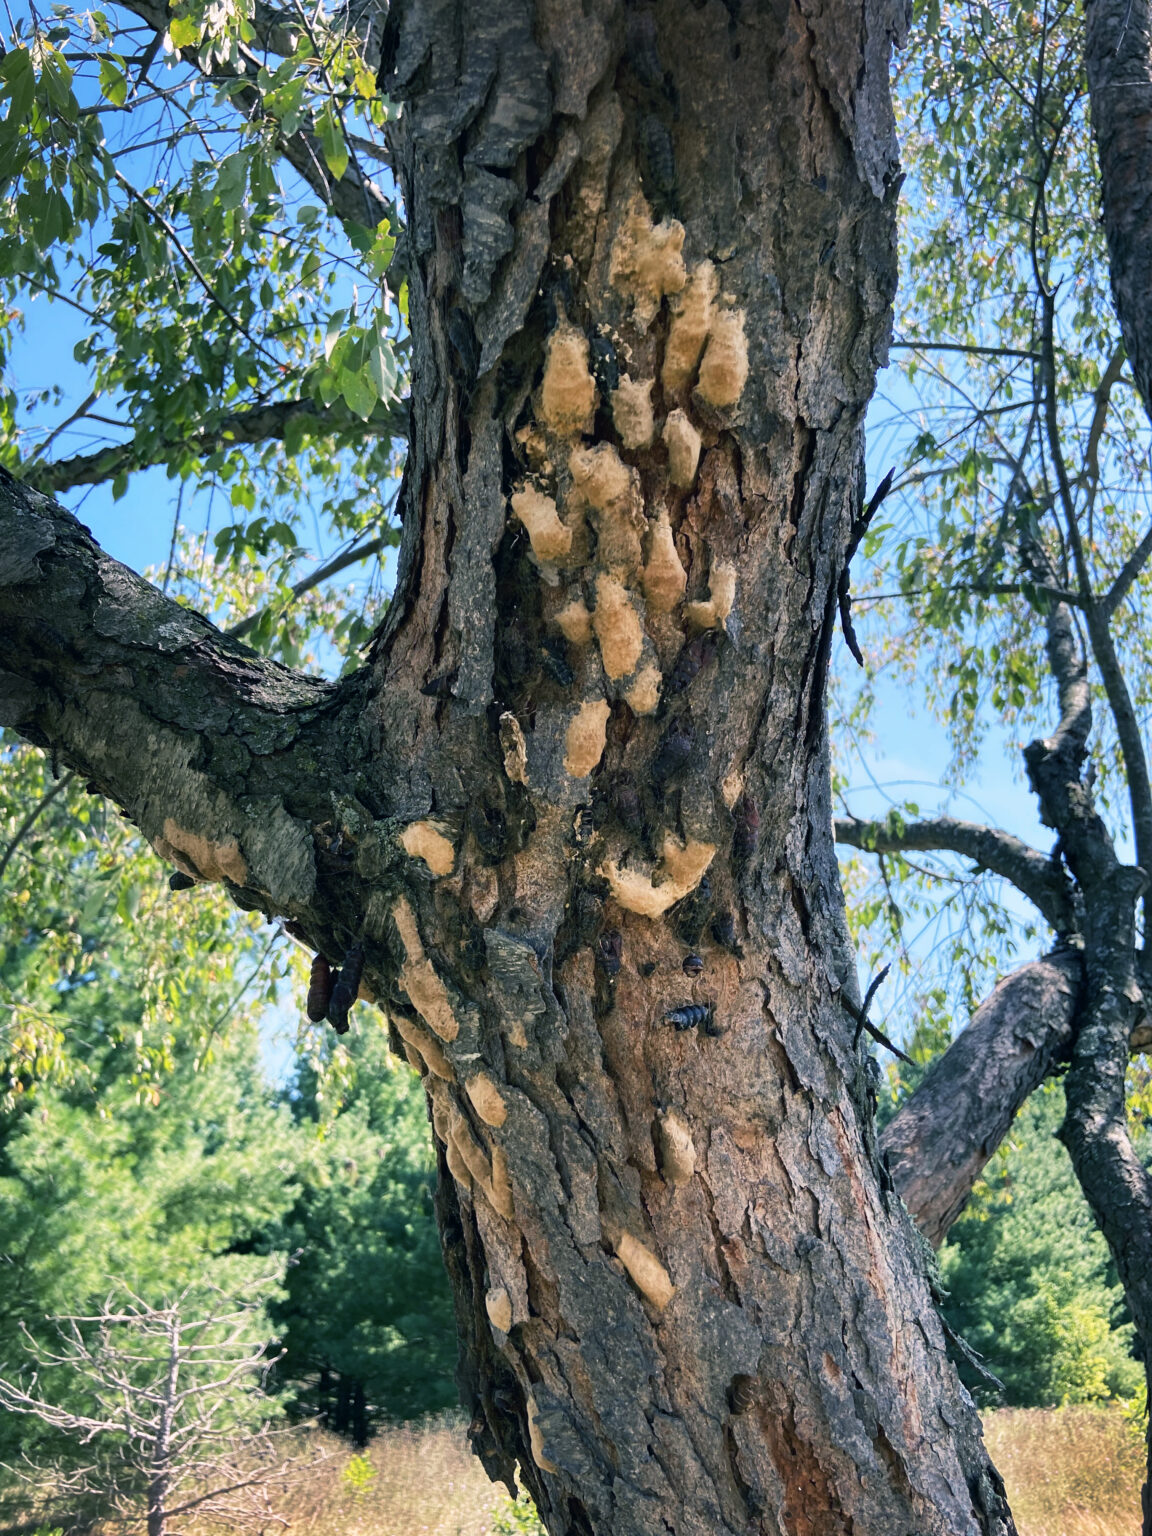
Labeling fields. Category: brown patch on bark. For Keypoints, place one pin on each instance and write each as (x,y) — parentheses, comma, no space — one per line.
(418,978)
(424,840)
(811,1506)
(200,857)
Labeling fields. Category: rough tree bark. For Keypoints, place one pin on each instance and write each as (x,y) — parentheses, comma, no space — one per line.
(574,814)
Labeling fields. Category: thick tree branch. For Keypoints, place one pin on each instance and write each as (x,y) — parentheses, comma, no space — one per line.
(126,687)
(259,424)
(1038,877)
(939,1142)
(1118,59)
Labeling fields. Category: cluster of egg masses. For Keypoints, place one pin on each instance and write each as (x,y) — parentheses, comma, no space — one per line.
(635,574)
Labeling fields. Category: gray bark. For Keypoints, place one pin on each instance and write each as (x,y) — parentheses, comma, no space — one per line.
(686,1301)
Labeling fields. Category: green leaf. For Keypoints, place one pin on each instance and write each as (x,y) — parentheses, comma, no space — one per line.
(330,132)
(184,31)
(359,392)
(19,85)
(113,83)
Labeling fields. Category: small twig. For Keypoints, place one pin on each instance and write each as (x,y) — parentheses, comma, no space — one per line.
(322,573)
(856,533)
(81,410)
(863,1022)
(30,820)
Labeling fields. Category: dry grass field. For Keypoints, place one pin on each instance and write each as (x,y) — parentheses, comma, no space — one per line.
(1069,1471)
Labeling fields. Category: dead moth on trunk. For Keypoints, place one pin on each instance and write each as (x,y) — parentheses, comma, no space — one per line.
(346,988)
(319,990)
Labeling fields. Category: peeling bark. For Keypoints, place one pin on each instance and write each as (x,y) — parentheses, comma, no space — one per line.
(576,809)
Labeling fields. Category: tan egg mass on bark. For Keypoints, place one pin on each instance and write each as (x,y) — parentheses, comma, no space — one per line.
(724,371)
(201,856)
(424,840)
(575,623)
(498,1305)
(721,596)
(648,1274)
(632,413)
(568,393)
(644,694)
(608,488)
(536,1441)
(646,261)
(664,578)
(551,539)
(428,993)
(426,1047)
(683,444)
(681,870)
(487,1099)
(617,626)
(691,319)
(587,733)
(677,1151)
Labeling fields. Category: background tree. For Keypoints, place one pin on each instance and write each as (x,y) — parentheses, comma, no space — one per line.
(369,1334)
(143,1140)
(1029,470)
(166,1413)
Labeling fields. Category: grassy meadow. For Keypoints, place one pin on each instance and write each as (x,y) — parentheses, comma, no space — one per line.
(1069,1472)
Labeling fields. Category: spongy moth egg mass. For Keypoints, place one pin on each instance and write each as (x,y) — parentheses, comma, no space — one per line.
(632,413)
(724,369)
(647,261)
(586,738)
(683,444)
(689,327)
(664,578)
(551,539)
(617,626)
(609,490)
(568,393)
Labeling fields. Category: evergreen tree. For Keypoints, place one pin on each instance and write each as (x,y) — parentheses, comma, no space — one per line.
(368,1327)
(1031,1285)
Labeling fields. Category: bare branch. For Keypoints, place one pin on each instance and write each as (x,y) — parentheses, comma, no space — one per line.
(321,574)
(258,424)
(1038,877)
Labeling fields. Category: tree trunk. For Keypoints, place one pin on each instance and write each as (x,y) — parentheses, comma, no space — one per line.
(574,817)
